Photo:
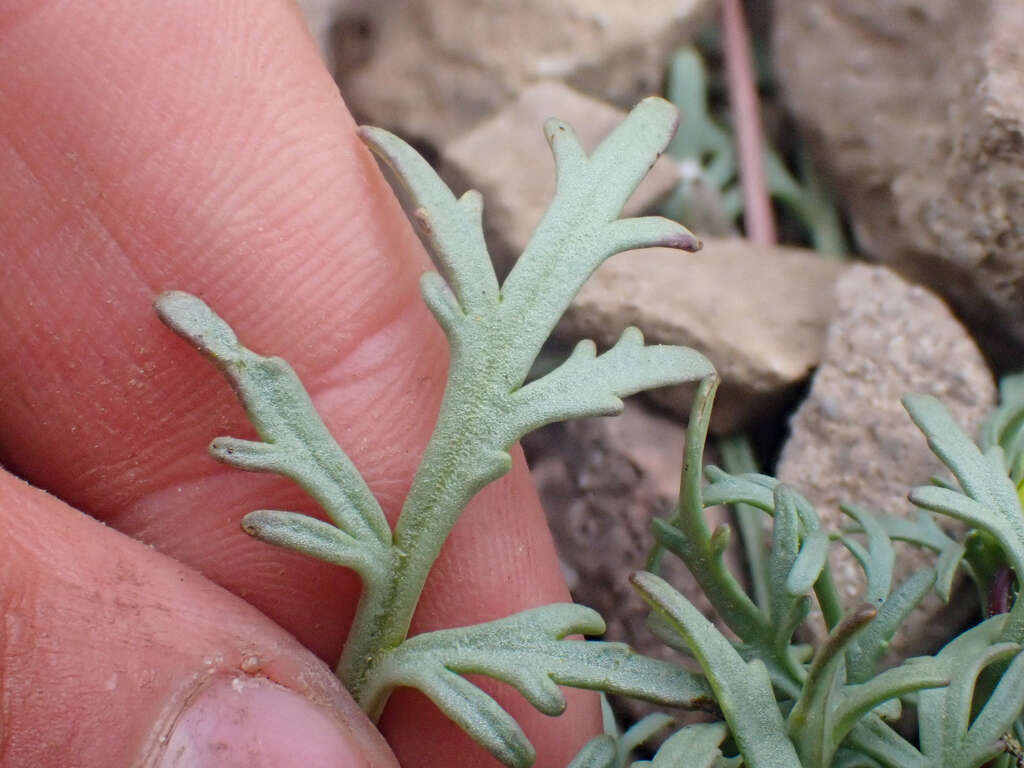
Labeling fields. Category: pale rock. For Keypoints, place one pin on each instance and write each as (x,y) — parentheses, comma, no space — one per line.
(602,481)
(508,160)
(441,66)
(917,108)
(851,440)
(759,313)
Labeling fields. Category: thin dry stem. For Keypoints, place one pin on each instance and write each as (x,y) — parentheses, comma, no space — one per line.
(758,214)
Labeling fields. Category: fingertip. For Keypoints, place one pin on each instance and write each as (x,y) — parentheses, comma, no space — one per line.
(113,654)
(251,722)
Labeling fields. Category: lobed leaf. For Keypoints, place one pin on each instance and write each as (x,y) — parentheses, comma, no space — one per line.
(949,738)
(687,534)
(811,721)
(976,475)
(296,443)
(593,385)
(923,532)
(788,608)
(868,647)
(989,498)
(528,651)
(701,137)
(857,700)
(315,538)
(996,717)
(579,231)
(757,490)
(452,226)
(879,558)
(1004,426)
(742,690)
(495,335)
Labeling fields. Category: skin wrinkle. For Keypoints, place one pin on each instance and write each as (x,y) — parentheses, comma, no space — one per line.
(16,236)
(292,588)
(159,597)
(354,335)
(13,15)
(163,449)
(368,368)
(180,238)
(388,473)
(222,542)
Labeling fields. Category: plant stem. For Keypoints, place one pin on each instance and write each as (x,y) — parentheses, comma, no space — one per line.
(459,460)
(758,215)
(738,457)
(999,596)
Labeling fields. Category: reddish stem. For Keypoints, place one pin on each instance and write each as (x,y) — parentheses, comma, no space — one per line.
(999,595)
(739,66)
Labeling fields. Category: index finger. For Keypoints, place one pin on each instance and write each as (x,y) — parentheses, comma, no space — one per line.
(202,146)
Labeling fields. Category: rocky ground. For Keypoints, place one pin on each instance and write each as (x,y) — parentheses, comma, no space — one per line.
(913,109)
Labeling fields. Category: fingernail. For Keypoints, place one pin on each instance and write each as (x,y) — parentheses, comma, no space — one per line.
(253,722)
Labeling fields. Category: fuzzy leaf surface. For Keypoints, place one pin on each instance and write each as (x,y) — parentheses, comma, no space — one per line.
(989,499)
(528,651)
(296,443)
(695,746)
(742,690)
(599,752)
(495,334)
(626,368)
(949,738)
(924,532)
(873,738)
(870,645)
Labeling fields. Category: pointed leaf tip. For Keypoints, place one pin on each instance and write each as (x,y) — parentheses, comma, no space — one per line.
(684,241)
(192,319)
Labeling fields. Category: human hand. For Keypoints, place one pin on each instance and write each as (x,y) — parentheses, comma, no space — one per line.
(201,146)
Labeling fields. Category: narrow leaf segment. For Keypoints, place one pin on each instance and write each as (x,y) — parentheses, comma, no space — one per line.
(495,333)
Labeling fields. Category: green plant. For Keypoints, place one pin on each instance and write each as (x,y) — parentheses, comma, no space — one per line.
(495,333)
(789,705)
(783,704)
(708,197)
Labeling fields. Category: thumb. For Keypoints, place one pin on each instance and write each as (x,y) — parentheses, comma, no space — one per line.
(245,721)
(113,654)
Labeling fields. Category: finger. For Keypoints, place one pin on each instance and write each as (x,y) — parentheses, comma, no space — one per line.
(113,654)
(202,147)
